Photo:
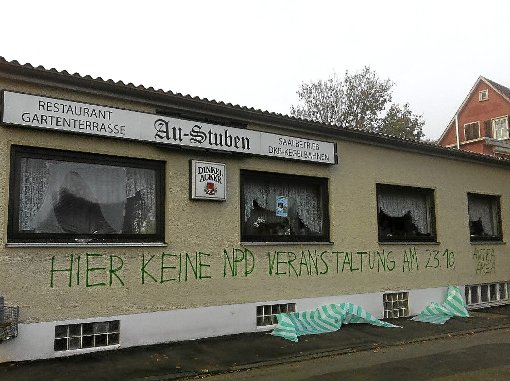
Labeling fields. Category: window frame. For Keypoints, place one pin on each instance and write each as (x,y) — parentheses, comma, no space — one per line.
(493,124)
(321,182)
(429,194)
(483,95)
(498,222)
(14,235)
(467,125)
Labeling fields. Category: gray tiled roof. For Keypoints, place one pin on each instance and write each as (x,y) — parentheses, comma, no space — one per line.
(15,70)
(502,89)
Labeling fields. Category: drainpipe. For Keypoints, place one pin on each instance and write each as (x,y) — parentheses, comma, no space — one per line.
(457,130)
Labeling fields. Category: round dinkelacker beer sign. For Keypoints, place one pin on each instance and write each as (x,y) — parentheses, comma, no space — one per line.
(208,180)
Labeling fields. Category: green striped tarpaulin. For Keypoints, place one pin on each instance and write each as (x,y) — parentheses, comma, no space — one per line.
(440,313)
(326,318)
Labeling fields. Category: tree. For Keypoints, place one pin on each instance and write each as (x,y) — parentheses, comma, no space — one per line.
(399,121)
(359,101)
(322,101)
(365,96)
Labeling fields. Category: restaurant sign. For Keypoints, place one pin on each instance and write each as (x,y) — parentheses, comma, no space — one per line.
(62,115)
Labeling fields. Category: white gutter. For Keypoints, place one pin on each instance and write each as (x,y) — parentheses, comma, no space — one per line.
(457,130)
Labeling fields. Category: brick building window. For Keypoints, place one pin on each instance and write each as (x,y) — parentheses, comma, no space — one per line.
(471,131)
(483,95)
(500,128)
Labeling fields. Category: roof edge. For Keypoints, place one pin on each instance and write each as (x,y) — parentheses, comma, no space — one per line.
(205,107)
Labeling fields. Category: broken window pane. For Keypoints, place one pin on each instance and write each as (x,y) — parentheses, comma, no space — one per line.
(63,197)
(405,213)
(283,208)
(484,217)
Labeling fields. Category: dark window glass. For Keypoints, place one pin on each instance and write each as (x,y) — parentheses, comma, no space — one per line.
(484,217)
(278,207)
(405,213)
(60,345)
(471,131)
(59,196)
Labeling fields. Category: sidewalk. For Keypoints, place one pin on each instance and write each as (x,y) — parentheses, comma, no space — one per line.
(228,353)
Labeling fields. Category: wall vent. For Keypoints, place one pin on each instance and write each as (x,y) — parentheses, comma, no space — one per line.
(396,304)
(266,314)
(487,294)
(86,335)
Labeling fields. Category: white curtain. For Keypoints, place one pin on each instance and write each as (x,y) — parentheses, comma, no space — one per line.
(397,202)
(103,188)
(304,201)
(484,210)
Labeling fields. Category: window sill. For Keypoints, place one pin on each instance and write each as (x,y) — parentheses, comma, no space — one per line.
(84,244)
(256,243)
(488,242)
(436,243)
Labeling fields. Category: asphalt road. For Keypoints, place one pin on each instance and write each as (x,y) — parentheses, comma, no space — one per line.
(479,356)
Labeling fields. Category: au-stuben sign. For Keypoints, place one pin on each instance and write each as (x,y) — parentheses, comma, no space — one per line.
(57,114)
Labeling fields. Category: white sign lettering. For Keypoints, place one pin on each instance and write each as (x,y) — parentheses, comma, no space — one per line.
(56,114)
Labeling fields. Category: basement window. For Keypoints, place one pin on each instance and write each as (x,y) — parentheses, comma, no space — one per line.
(86,335)
(488,294)
(471,131)
(71,197)
(266,314)
(483,95)
(396,305)
(405,214)
(484,217)
(283,208)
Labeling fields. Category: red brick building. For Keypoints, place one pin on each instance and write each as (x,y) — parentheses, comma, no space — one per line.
(481,123)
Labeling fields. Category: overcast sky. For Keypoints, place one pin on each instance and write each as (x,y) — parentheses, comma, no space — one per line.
(256,53)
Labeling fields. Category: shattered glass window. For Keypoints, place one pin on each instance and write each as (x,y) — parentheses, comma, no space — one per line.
(91,197)
(278,207)
(484,217)
(405,213)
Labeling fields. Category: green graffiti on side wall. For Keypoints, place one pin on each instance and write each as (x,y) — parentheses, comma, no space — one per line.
(103,270)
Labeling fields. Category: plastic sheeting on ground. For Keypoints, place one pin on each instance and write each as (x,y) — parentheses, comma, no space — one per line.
(326,318)
(437,313)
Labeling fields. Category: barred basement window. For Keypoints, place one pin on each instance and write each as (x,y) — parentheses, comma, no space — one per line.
(489,294)
(266,314)
(86,335)
(396,304)
(471,131)
(278,207)
(405,213)
(484,217)
(62,196)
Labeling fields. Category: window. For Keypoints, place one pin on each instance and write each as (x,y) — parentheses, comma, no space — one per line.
(489,294)
(484,217)
(500,128)
(405,213)
(266,314)
(396,304)
(483,95)
(471,131)
(62,196)
(278,207)
(86,335)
